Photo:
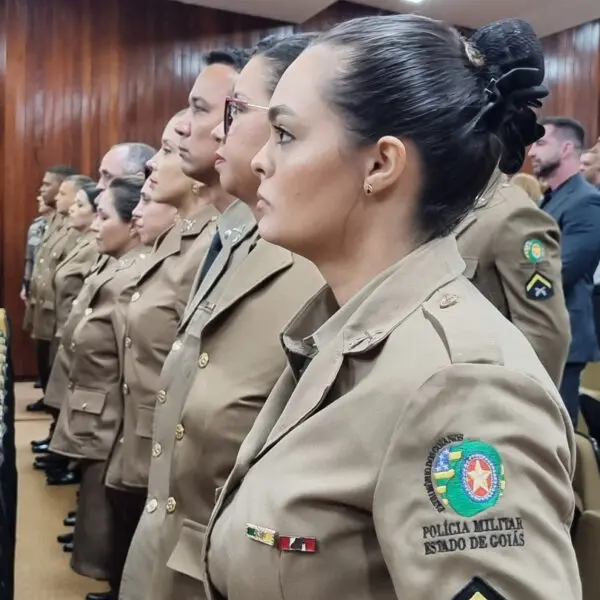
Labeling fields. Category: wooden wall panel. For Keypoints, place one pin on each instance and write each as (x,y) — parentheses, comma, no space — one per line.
(83,75)
(573,76)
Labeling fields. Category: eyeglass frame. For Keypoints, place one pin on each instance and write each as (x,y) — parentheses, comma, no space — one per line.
(228,117)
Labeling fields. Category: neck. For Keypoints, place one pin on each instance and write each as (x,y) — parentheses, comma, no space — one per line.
(564,171)
(191,204)
(133,242)
(214,194)
(349,271)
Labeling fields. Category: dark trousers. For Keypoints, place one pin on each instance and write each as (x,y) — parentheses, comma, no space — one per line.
(596,305)
(42,357)
(569,389)
(126,510)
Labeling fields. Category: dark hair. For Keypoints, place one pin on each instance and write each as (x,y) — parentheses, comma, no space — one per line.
(458,102)
(234,57)
(126,195)
(281,53)
(568,128)
(61,171)
(92,191)
(138,155)
(79,180)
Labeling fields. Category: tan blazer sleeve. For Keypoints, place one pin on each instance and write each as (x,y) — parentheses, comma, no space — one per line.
(475,491)
(533,290)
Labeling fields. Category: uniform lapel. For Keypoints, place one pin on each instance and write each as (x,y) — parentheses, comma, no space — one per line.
(168,245)
(556,203)
(84,242)
(466,223)
(262,263)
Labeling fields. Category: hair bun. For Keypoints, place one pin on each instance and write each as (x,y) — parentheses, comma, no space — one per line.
(514,72)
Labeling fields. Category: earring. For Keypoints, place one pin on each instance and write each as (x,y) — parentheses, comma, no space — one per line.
(368,189)
(196,188)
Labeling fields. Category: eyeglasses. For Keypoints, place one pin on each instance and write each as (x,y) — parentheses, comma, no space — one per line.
(232,107)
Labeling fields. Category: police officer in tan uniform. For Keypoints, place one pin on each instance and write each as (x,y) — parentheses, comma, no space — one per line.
(227,357)
(46,259)
(512,252)
(86,372)
(415,447)
(173,217)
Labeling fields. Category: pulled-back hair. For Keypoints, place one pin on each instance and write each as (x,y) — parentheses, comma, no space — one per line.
(234,57)
(92,191)
(418,79)
(280,53)
(61,171)
(126,192)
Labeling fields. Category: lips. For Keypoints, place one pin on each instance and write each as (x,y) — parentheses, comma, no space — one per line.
(219,159)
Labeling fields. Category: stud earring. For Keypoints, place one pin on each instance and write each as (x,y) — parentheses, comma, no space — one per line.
(368,189)
(196,188)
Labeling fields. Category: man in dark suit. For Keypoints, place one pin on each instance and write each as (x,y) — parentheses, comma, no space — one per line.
(575,204)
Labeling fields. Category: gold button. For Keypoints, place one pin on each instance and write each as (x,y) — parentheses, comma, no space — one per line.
(135,297)
(179,432)
(152,505)
(84,406)
(54,254)
(75,302)
(125,389)
(121,440)
(41,261)
(61,347)
(161,396)
(142,256)
(203,361)
(88,312)
(171,504)
(448,300)
(71,385)
(156,450)
(176,345)
(72,346)
(128,342)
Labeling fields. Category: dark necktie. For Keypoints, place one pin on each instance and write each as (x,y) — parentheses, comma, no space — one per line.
(547,197)
(216,245)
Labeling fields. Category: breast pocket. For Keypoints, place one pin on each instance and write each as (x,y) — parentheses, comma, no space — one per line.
(86,406)
(185,558)
(145,422)
(472,265)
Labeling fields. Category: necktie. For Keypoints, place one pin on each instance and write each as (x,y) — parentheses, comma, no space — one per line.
(216,245)
(547,197)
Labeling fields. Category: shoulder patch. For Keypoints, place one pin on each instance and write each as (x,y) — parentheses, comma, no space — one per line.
(539,287)
(478,589)
(534,250)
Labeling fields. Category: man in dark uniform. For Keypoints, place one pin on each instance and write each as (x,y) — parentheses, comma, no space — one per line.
(575,204)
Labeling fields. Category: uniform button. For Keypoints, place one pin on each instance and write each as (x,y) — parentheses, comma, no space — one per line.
(75,302)
(125,389)
(128,342)
(135,297)
(156,450)
(88,312)
(142,256)
(448,300)
(171,505)
(41,261)
(61,347)
(121,440)
(152,505)
(161,396)
(84,406)
(72,346)
(54,255)
(71,385)
(179,432)
(176,345)
(203,360)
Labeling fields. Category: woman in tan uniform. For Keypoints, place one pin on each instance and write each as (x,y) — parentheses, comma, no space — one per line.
(86,374)
(172,217)
(415,447)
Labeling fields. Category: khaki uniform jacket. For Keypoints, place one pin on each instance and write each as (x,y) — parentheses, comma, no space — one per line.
(215,381)
(86,375)
(50,254)
(512,252)
(414,447)
(150,327)
(70,274)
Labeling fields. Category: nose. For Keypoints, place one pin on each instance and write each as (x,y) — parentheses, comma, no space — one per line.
(218,133)
(182,127)
(151,164)
(261,166)
(95,224)
(138,211)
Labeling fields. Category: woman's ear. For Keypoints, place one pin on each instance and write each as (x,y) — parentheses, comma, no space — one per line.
(386,164)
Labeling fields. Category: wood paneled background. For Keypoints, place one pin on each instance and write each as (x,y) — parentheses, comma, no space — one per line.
(77,76)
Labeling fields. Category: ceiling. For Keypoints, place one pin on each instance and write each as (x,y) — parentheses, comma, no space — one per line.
(547,16)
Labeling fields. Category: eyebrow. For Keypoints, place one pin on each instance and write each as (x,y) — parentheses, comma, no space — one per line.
(277,111)
(198,100)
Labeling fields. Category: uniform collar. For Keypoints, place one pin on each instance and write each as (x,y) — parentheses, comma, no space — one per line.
(370,316)
(236,223)
(193,225)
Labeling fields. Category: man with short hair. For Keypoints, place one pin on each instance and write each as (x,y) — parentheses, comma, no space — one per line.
(575,204)
(126,158)
(56,227)
(590,166)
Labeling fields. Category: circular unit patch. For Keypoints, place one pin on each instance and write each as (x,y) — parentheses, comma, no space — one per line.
(468,477)
(533,250)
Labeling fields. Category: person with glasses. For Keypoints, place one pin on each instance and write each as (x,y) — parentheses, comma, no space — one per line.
(415,447)
(227,356)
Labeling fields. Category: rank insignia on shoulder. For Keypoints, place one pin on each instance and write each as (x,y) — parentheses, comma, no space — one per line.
(539,287)
(477,589)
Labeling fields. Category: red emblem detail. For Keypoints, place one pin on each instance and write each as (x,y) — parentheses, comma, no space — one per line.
(479,478)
